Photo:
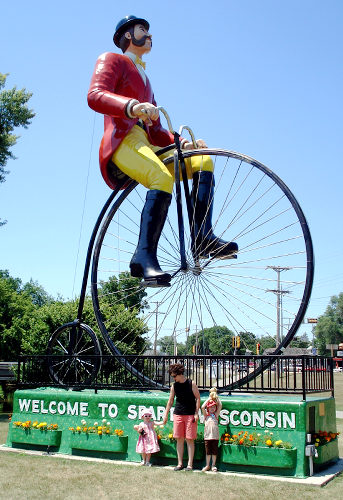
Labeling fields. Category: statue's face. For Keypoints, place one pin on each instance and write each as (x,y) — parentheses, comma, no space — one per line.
(140,40)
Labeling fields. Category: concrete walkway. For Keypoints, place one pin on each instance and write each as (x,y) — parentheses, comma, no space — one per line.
(339,414)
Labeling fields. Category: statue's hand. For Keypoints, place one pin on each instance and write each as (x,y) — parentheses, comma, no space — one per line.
(200,144)
(145,111)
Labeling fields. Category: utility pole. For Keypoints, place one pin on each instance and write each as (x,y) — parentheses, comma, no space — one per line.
(196,339)
(175,344)
(156,324)
(279,294)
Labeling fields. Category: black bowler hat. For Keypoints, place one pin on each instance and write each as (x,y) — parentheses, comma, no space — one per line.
(125,23)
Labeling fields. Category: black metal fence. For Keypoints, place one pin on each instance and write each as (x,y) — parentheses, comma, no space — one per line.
(249,374)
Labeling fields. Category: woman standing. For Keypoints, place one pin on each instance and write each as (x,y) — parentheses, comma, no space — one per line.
(186,413)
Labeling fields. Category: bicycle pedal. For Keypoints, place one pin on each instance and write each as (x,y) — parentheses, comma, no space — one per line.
(155,283)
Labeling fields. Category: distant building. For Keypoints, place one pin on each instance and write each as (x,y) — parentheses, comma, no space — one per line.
(290,351)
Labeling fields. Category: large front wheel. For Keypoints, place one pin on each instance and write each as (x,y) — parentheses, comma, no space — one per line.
(263,293)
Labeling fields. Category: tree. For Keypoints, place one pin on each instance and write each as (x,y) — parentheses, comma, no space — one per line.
(329,329)
(124,290)
(166,345)
(13,113)
(301,341)
(29,316)
(214,340)
(267,342)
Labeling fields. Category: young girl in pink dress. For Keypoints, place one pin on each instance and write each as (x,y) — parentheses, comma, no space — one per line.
(147,441)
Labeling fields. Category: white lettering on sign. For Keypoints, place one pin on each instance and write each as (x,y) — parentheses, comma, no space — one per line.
(261,419)
(132,413)
(103,407)
(234,421)
(270,420)
(72,410)
(60,407)
(160,413)
(288,420)
(84,409)
(245,418)
(224,417)
(35,406)
(258,419)
(52,407)
(113,410)
(24,404)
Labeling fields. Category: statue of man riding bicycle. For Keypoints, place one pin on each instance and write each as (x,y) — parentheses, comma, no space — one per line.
(121,91)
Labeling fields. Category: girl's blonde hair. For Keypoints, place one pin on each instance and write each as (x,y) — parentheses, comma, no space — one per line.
(213,394)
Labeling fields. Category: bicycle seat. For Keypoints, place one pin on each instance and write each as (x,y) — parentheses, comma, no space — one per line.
(113,176)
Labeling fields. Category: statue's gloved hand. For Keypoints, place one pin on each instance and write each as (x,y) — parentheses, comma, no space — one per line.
(189,145)
(145,111)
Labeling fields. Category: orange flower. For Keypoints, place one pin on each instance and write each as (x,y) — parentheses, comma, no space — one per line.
(251,438)
(226,439)
(241,441)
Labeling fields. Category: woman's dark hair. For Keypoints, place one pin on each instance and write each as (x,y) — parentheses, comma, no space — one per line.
(177,369)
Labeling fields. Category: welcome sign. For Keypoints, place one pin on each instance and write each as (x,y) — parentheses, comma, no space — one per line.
(257,419)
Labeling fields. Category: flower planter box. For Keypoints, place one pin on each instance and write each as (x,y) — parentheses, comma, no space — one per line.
(168,449)
(36,436)
(259,455)
(94,442)
(327,452)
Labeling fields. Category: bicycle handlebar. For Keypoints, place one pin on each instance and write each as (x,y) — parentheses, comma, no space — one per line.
(183,127)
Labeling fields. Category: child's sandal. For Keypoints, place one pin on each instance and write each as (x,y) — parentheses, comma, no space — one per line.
(214,469)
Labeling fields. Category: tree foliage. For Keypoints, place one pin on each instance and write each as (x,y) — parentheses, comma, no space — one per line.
(29,316)
(125,290)
(214,340)
(13,113)
(329,329)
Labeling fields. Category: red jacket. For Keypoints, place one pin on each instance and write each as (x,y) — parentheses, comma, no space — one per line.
(114,83)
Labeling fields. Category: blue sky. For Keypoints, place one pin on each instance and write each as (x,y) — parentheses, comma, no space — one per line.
(260,77)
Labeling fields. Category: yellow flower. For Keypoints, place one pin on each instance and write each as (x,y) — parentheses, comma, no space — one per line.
(78,428)
(170,436)
(277,443)
(269,442)
(100,432)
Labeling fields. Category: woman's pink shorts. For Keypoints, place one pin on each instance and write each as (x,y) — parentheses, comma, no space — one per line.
(185,426)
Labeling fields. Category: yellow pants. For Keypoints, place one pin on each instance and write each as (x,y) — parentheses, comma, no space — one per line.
(136,158)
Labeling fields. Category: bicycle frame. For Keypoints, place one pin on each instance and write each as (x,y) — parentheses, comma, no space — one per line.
(178,160)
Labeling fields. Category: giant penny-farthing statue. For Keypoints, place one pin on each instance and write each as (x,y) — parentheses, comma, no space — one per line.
(227,251)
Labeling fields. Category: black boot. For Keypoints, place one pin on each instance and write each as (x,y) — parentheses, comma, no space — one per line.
(144,263)
(205,243)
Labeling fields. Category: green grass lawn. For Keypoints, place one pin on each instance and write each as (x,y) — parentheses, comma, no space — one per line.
(32,477)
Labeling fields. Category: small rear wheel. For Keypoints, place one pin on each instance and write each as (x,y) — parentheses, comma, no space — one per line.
(74,355)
